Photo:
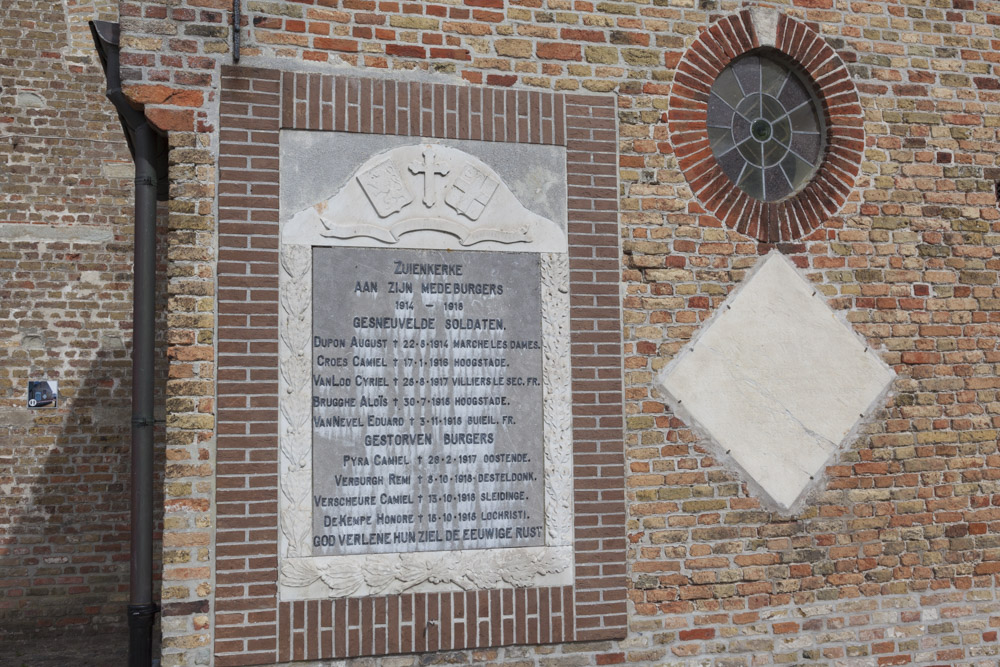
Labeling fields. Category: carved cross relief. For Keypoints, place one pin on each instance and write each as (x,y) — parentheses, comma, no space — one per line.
(468,194)
(429,167)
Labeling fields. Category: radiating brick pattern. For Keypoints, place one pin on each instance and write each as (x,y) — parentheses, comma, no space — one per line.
(823,197)
(252,627)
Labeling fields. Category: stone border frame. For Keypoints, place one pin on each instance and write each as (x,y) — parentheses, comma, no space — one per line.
(252,625)
(826,193)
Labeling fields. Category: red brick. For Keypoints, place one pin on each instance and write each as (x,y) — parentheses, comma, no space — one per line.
(559,51)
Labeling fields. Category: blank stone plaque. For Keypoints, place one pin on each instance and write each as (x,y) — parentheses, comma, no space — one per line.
(426,401)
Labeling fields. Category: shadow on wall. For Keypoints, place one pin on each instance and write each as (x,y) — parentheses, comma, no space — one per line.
(65,315)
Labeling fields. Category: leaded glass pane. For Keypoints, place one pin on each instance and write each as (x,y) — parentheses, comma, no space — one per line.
(751,150)
(771,108)
(732,164)
(728,88)
(806,146)
(798,171)
(793,94)
(776,184)
(748,72)
(720,139)
(782,131)
(773,76)
(741,129)
(773,152)
(749,107)
(752,182)
(765,127)
(804,119)
(720,114)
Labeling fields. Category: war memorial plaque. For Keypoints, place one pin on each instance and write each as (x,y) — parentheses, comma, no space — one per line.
(445,184)
(426,400)
(425,425)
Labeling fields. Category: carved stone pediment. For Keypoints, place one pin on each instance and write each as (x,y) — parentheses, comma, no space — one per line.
(399,194)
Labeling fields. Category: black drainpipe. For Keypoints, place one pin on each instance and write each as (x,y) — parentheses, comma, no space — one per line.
(149,152)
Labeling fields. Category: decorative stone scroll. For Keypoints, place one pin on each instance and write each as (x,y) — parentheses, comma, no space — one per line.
(419,199)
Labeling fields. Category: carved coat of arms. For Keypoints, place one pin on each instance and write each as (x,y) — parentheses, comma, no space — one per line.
(385,189)
(471,192)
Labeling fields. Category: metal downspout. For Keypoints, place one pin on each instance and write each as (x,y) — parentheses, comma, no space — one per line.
(148,152)
(141,609)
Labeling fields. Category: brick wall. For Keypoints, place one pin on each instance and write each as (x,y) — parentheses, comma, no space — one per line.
(65,315)
(894,561)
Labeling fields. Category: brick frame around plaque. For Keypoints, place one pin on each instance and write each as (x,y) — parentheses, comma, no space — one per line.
(251,625)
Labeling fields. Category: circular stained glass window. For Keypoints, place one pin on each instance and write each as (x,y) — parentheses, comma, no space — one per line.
(765,127)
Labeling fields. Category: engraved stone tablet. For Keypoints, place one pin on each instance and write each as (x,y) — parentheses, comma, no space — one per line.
(426,401)
(425,423)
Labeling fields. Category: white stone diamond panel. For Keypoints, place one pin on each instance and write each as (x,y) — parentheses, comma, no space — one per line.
(776,380)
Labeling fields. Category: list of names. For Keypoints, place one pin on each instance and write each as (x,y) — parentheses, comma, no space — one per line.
(426,401)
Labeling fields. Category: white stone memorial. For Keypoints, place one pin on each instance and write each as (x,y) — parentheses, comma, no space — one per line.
(425,429)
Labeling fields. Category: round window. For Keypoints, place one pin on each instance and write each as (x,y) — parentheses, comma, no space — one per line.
(765,127)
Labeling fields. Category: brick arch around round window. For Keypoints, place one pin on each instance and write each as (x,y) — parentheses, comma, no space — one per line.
(716,47)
